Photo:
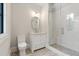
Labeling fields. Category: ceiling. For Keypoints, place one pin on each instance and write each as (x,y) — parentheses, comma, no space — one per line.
(39,4)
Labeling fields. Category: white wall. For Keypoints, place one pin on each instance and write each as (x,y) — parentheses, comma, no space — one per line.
(51,23)
(44,20)
(21,20)
(69,39)
(5,39)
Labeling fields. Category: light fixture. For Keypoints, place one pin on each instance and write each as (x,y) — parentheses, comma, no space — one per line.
(70,16)
(35,14)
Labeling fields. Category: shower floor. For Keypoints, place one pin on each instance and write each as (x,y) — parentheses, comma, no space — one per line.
(65,50)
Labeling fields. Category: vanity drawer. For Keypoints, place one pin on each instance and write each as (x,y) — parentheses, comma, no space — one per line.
(35,40)
(33,36)
(43,38)
(38,46)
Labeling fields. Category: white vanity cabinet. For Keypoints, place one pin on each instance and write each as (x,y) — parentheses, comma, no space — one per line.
(38,41)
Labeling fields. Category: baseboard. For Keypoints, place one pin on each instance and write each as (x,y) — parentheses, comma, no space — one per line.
(56,51)
(52,44)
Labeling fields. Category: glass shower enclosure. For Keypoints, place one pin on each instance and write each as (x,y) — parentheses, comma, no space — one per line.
(64,27)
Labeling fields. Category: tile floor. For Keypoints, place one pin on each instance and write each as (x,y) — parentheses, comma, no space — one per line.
(46,52)
(41,52)
(66,50)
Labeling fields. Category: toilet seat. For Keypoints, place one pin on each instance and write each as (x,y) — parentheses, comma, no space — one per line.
(22,45)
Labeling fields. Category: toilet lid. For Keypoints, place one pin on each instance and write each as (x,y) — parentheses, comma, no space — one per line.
(22,44)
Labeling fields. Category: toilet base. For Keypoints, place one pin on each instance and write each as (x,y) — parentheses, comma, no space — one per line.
(22,53)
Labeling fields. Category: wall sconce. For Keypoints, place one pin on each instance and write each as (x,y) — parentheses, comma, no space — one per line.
(70,16)
(35,14)
(70,21)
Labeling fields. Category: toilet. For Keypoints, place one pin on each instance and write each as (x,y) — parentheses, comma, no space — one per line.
(22,45)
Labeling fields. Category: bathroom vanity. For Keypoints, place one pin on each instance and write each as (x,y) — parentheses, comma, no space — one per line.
(38,40)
